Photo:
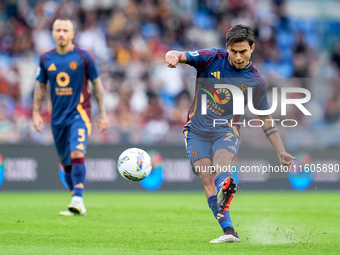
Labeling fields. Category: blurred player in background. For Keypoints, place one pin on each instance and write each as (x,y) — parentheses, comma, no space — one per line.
(68,69)
(212,146)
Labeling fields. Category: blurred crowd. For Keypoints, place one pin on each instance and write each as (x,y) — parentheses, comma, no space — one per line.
(146,101)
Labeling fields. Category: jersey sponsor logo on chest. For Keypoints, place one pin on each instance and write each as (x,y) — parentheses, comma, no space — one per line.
(237,92)
(218,98)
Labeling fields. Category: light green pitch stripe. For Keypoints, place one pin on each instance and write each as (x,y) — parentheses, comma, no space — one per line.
(209,95)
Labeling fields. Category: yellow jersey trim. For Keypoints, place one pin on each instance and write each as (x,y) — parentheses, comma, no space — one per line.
(84,115)
(194,111)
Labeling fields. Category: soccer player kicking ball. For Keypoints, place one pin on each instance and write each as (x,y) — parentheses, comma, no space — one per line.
(212,145)
(67,69)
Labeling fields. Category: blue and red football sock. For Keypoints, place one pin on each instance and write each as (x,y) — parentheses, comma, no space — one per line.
(223,218)
(78,176)
(68,176)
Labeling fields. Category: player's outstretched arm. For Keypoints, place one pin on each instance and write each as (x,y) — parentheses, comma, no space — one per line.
(38,99)
(173,57)
(98,91)
(272,134)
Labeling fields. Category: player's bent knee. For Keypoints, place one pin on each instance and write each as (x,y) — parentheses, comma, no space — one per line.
(77,154)
(223,156)
(208,182)
(206,174)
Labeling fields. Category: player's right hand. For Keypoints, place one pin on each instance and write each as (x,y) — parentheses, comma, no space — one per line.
(172,60)
(102,122)
(38,122)
(286,159)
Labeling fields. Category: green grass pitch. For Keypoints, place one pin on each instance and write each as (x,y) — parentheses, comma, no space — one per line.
(169,223)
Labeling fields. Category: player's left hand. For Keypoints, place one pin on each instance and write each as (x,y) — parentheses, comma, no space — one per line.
(102,122)
(286,159)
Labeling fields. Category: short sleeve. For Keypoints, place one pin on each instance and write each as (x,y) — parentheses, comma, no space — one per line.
(41,72)
(200,58)
(260,96)
(92,69)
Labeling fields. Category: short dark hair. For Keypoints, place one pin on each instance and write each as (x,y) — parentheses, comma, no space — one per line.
(69,19)
(240,33)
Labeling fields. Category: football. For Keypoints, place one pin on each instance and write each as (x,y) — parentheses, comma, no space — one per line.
(134,164)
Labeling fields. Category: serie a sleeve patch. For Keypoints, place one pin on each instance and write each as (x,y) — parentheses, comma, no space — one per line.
(193,53)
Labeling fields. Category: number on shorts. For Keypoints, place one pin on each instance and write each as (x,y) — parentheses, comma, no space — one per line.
(81,133)
(228,138)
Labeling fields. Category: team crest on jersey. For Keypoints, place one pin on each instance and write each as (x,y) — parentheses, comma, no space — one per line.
(73,65)
(193,53)
(194,153)
(243,87)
